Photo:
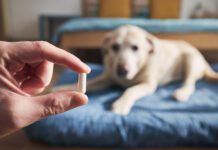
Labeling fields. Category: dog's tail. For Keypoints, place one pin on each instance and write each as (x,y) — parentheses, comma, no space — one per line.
(211,75)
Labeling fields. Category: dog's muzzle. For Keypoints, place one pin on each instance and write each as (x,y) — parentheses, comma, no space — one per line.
(121,71)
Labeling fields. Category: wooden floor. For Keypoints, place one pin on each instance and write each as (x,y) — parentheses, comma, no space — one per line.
(18,141)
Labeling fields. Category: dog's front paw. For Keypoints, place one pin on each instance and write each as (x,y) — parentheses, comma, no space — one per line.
(120,107)
(181,95)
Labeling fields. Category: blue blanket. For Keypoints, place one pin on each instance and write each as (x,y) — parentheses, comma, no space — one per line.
(151,25)
(155,120)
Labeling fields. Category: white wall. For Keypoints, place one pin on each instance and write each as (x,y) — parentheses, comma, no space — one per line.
(22,15)
(188,5)
(217,7)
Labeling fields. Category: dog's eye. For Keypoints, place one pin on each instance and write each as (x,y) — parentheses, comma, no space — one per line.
(115,47)
(135,47)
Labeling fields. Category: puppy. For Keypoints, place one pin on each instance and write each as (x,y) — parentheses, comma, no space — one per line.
(140,62)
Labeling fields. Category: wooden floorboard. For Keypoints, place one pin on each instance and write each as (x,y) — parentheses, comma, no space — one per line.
(19,141)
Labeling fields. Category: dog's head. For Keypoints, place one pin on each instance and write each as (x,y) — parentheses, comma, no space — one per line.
(127,50)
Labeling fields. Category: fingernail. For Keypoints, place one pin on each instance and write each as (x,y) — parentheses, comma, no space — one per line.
(80,99)
(87,68)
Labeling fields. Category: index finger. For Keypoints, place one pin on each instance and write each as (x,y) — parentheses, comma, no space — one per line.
(47,51)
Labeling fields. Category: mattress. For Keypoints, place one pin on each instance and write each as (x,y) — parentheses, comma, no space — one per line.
(151,25)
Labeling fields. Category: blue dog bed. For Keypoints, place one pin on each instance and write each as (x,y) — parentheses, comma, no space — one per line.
(155,121)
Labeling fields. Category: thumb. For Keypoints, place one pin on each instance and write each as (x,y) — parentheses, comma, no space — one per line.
(59,102)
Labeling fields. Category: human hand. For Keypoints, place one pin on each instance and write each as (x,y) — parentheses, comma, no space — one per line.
(26,69)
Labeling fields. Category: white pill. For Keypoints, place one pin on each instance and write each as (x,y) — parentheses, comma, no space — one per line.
(81,85)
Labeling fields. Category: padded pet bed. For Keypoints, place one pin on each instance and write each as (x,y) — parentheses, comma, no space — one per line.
(155,120)
(151,25)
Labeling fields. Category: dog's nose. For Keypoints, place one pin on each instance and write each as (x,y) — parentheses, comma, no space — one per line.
(121,70)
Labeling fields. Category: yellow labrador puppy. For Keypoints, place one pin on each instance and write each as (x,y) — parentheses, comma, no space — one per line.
(138,61)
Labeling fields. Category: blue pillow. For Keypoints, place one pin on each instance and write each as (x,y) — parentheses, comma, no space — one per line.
(155,120)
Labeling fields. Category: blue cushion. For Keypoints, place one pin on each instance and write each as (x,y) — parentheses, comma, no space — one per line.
(155,120)
(151,25)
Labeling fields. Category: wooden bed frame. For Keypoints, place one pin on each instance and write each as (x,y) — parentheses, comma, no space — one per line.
(206,42)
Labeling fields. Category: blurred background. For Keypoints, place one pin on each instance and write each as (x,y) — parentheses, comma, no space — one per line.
(20,19)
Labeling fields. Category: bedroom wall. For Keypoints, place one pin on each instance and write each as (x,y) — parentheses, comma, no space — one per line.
(22,15)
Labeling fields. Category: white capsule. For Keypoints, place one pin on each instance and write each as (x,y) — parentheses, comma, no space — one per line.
(81,85)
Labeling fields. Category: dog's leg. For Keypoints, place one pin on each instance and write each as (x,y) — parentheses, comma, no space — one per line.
(193,71)
(124,104)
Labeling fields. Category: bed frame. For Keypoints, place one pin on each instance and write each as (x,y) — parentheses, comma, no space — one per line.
(206,42)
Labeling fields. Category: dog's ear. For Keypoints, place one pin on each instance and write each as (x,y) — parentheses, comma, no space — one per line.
(105,43)
(151,51)
(151,40)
